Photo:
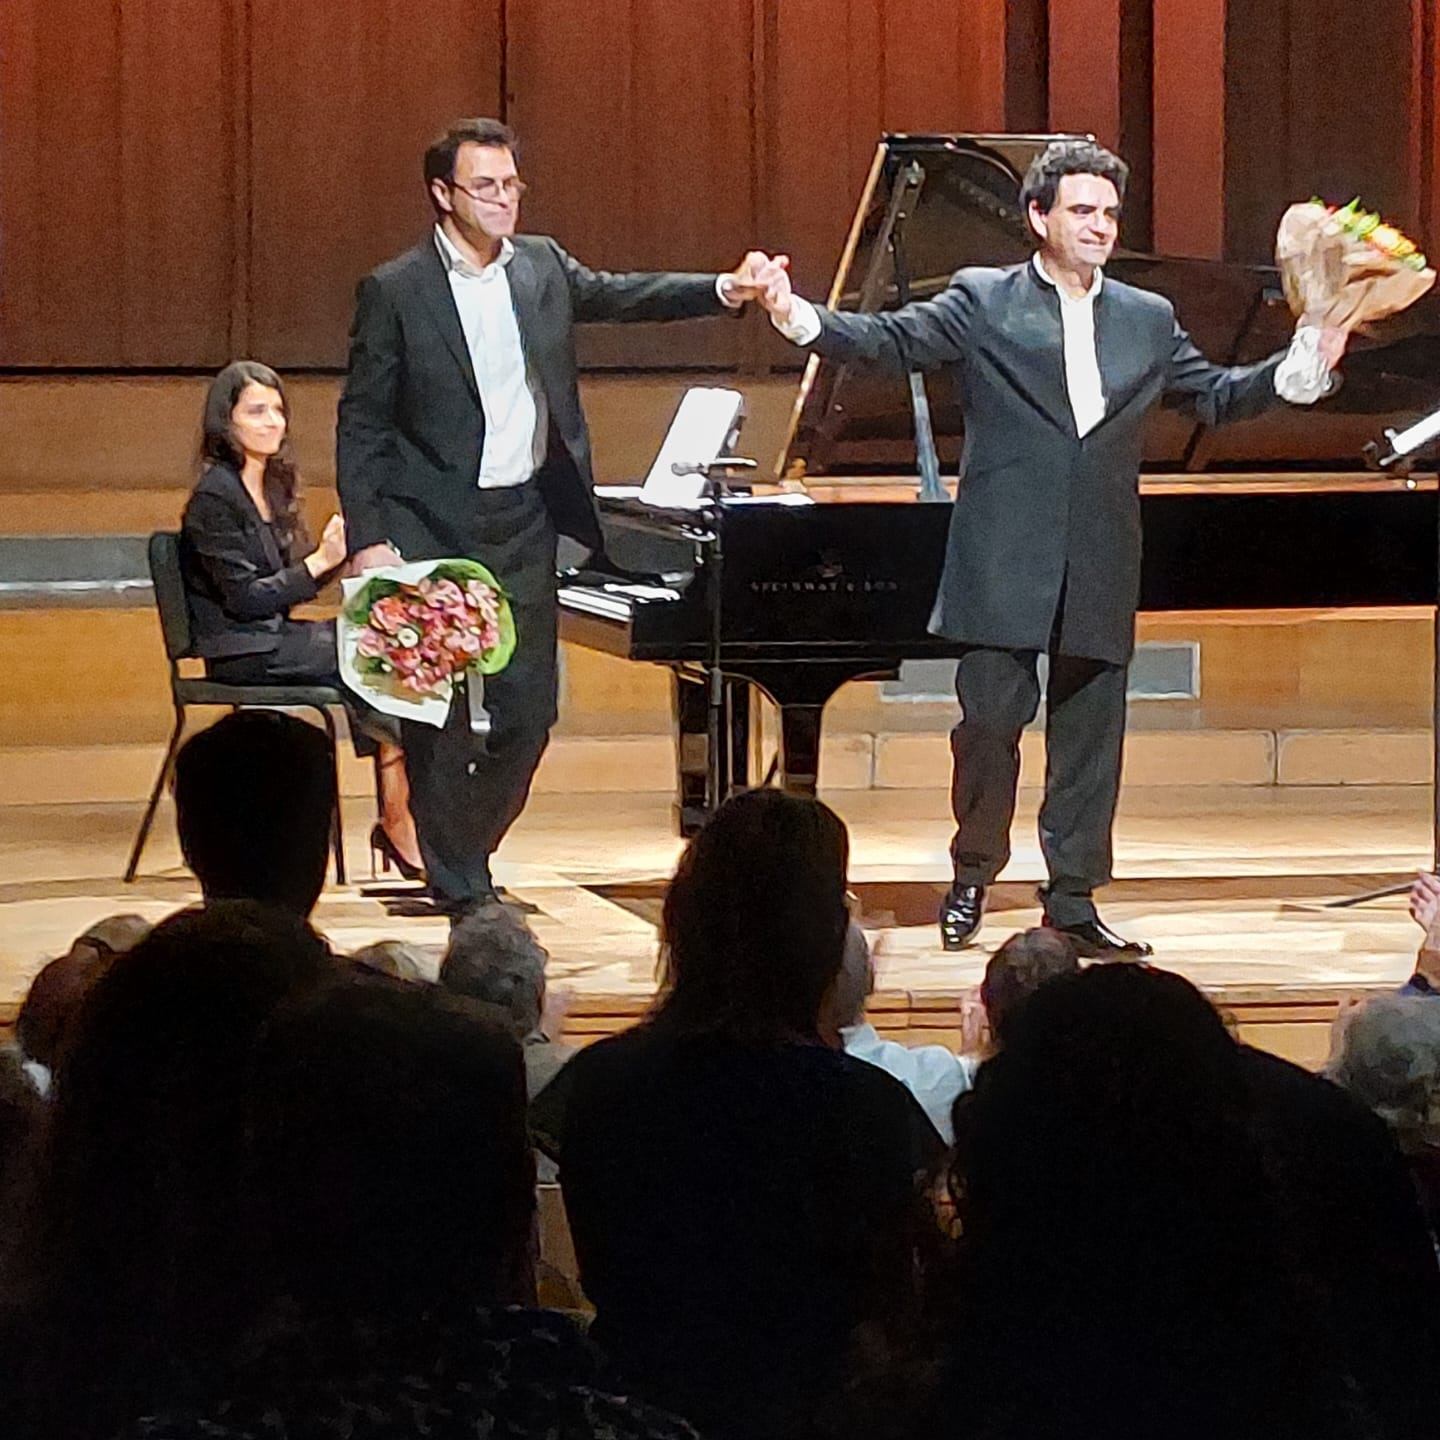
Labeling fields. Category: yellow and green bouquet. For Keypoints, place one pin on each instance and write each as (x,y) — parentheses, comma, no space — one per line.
(1343,266)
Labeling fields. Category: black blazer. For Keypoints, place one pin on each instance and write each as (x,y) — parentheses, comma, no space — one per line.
(238,585)
(1040,509)
(411,425)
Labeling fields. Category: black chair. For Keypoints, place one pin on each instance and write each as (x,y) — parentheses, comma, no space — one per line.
(164,551)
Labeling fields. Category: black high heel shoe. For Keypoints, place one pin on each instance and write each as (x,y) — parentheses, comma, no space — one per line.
(383,846)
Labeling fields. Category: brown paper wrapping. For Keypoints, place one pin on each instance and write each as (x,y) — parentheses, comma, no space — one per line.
(1334,279)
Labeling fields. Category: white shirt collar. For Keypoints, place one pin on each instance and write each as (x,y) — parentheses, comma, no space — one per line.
(1090,294)
(454,260)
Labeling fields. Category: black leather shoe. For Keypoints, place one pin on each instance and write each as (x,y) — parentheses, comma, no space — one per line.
(960,915)
(1095,940)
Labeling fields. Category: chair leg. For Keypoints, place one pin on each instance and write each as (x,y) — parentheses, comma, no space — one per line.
(143,834)
(337,828)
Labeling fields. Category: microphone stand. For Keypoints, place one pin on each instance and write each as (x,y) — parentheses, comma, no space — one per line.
(1399,459)
(717,766)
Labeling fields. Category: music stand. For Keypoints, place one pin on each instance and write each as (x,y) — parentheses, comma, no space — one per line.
(1399,460)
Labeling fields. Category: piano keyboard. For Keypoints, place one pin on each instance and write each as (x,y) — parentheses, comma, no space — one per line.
(614,601)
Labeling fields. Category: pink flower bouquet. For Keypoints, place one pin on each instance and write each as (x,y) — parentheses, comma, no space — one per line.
(408,632)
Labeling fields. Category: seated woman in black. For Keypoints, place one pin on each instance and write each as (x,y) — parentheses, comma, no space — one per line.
(244,557)
(742,1196)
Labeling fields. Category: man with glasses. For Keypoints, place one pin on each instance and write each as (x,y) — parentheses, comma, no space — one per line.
(461,433)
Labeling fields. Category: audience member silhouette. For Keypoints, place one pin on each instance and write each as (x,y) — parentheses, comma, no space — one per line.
(494,956)
(1018,969)
(1354,1222)
(396,958)
(741,1195)
(390,1191)
(20,1107)
(1389,1059)
(933,1074)
(127,1282)
(254,796)
(56,993)
(1125,1266)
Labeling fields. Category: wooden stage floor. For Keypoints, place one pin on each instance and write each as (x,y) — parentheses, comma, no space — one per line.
(1227,883)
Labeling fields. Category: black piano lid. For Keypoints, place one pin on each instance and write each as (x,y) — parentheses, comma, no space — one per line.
(967,213)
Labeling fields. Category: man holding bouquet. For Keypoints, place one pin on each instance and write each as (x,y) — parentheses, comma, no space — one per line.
(461,436)
(1056,368)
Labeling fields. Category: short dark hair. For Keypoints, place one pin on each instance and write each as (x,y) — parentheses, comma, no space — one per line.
(1019,968)
(254,795)
(754,922)
(480,130)
(1069,157)
(493,956)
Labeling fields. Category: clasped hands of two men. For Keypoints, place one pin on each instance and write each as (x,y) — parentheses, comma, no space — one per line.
(759,277)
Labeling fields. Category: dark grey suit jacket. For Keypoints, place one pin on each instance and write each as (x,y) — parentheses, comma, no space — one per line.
(411,425)
(1041,511)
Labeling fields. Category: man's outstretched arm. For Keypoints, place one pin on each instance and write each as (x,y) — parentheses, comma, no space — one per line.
(660,294)
(923,336)
(1219,393)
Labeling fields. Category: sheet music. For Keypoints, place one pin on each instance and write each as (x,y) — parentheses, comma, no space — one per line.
(698,435)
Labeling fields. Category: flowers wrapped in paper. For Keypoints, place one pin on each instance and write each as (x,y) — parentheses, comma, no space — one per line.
(407,633)
(1342,267)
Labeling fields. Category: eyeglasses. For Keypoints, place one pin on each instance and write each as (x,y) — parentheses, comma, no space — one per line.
(491,190)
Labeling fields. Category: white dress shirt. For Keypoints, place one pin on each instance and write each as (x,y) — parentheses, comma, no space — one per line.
(1082,361)
(931,1073)
(516,418)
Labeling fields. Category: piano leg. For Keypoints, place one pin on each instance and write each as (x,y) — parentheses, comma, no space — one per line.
(801,692)
(692,745)
(800,748)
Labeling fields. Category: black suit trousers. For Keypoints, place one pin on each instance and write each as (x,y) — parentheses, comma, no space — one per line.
(466,790)
(999,692)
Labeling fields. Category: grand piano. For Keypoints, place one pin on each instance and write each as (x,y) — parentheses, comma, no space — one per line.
(826,572)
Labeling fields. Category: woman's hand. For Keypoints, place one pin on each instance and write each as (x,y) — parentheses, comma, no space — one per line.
(330,552)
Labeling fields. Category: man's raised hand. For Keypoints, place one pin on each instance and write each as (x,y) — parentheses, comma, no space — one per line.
(739,284)
(773,282)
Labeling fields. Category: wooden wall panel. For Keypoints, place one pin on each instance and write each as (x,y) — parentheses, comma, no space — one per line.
(115,185)
(59,105)
(634,118)
(185,179)
(1303,116)
(1188,165)
(635,124)
(1425,124)
(823,117)
(1101,53)
(343,100)
(179,172)
(1085,68)
(842,72)
(943,65)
